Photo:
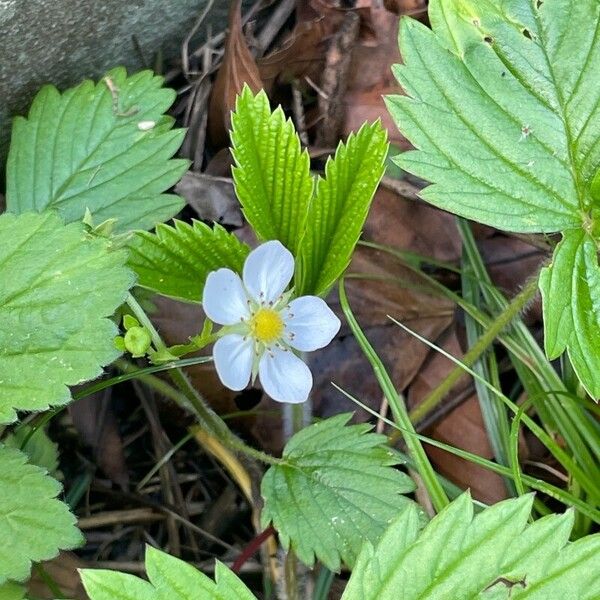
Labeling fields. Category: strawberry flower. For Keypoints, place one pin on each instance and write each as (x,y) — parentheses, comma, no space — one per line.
(262,329)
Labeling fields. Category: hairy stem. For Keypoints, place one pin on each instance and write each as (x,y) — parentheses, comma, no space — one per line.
(477,349)
(188,396)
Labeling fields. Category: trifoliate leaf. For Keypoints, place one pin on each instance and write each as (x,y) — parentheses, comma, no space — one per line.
(339,209)
(570,289)
(494,555)
(177,260)
(12,591)
(170,579)
(103,147)
(58,286)
(335,489)
(34,525)
(504,123)
(502,106)
(272,177)
(40,449)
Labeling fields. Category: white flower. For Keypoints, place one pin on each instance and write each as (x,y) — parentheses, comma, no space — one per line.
(262,328)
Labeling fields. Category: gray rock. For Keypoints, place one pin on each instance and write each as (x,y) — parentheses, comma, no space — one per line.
(66,41)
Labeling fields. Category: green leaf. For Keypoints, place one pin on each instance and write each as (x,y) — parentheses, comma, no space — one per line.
(40,449)
(340,207)
(272,177)
(335,488)
(95,147)
(170,579)
(570,289)
(493,555)
(58,286)
(12,591)
(502,106)
(177,260)
(111,585)
(34,525)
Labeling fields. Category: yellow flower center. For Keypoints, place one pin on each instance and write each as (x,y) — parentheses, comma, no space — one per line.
(266,325)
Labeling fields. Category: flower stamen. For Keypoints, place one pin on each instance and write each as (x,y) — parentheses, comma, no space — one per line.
(266,325)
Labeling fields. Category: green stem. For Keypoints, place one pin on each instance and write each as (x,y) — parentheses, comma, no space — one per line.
(475,352)
(434,487)
(208,419)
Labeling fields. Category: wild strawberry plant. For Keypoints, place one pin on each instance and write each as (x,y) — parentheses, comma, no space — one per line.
(504,121)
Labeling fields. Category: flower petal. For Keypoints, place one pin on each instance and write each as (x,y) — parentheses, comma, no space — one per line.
(284,376)
(309,323)
(233,355)
(268,271)
(224,300)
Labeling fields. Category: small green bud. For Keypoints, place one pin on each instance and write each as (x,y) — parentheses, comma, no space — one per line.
(137,341)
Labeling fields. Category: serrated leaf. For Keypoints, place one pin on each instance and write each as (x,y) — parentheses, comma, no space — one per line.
(103,147)
(505,123)
(34,524)
(335,489)
(170,579)
(111,585)
(12,591)
(177,260)
(503,109)
(40,449)
(339,209)
(493,555)
(58,286)
(272,173)
(570,289)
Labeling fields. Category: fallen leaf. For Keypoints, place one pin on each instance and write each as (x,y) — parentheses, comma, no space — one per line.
(301,55)
(462,427)
(64,572)
(238,68)
(97,425)
(213,198)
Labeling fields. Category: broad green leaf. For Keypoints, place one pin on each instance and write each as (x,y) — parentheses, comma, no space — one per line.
(59,285)
(339,209)
(502,106)
(34,524)
(103,147)
(335,489)
(176,260)
(494,555)
(40,449)
(12,591)
(570,289)
(170,579)
(272,173)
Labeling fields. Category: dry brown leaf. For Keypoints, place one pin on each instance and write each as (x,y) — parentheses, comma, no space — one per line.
(213,198)
(63,571)
(463,428)
(238,67)
(405,7)
(301,55)
(372,62)
(97,425)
